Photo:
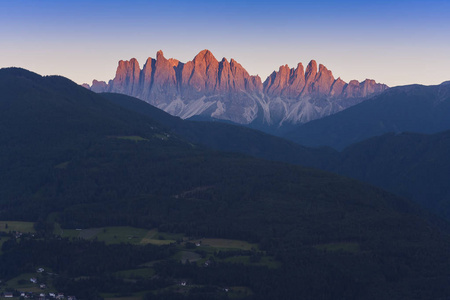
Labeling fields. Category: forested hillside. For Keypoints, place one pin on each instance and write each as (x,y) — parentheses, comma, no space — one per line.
(72,158)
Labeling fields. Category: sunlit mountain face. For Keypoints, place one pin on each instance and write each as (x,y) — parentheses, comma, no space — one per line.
(225,90)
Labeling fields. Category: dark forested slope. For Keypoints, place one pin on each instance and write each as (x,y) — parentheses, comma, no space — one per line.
(229,137)
(71,154)
(413,108)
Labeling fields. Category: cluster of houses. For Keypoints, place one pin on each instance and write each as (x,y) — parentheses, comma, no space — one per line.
(39,296)
(18,234)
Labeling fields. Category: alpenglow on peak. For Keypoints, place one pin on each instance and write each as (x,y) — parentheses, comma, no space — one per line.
(225,90)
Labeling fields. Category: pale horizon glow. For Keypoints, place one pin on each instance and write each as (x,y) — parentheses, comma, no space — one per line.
(393,42)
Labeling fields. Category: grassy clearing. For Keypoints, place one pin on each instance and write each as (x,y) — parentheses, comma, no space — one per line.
(266,261)
(184,256)
(158,238)
(156,242)
(227,244)
(25,227)
(68,233)
(109,235)
(27,285)
(350,247)
(120,234)
(89,233)
(168,236)
(127,234)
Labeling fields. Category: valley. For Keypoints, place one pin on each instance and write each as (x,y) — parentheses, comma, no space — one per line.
(185,251)
(120,198)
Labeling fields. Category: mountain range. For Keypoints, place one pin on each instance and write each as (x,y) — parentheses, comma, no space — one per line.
(225,90)
(411,108)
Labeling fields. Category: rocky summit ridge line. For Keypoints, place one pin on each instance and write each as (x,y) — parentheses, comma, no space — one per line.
(225,90)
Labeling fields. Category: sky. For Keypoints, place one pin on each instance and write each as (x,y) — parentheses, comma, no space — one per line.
(394,42)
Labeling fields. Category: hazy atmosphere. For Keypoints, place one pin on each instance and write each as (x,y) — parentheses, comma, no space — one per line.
(224,150)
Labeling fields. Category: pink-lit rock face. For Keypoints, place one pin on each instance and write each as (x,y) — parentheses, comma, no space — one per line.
(295,83)
(224,89)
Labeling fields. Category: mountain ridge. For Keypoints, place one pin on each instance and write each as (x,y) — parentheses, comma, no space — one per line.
(225,90)
(410,108)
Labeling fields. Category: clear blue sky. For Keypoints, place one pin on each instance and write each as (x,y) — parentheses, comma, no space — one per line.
(393,42)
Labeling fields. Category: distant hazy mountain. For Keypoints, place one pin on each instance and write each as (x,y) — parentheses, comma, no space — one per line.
(412,165)
(225,90)
(413,108)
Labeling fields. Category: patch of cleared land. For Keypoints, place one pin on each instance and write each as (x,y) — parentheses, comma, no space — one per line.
(189,256)
(89,233)
(7,226)
(227,244)
(160,238)
(127,234)
(25,284)
(267,261)
(109,235)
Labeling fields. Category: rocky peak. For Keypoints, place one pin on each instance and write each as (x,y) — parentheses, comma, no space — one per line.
(148,67)
(278,81)
(127,77)
(226,90)
(337,87)
(316,82)
(99,86)
(311,71)
(323,81)
(206,56)
(160,55)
